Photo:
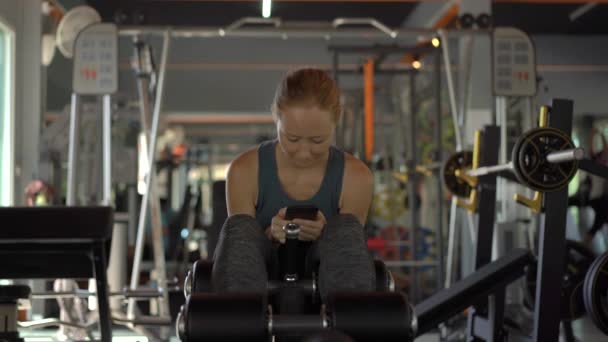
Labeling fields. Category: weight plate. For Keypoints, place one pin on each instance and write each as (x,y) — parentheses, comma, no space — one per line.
(530,163)
(578,260)
(467,20)
(595,292)
(483,20)
(458,161)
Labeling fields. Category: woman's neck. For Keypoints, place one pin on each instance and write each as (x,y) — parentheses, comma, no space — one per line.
(284,162)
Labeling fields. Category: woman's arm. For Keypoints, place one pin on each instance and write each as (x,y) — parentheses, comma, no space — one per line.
(357,188)
(242,184)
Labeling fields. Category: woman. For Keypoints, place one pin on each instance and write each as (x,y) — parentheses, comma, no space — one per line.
(300,167)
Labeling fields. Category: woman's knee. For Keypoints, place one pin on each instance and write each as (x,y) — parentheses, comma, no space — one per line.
(344,227)
(241,225)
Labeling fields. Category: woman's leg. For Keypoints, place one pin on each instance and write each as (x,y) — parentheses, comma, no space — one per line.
(344,261)
(241,256)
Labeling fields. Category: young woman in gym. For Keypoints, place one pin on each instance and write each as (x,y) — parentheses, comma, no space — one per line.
(299,167)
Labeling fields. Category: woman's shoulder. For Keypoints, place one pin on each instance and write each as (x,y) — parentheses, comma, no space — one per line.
(245,162)
(355,170)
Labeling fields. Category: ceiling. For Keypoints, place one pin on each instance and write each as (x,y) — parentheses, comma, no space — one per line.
(238,76)
(532,16)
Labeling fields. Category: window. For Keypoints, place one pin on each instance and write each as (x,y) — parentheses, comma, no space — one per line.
(6,114)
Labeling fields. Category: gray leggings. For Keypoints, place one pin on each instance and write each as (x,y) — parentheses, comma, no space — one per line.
(244,254)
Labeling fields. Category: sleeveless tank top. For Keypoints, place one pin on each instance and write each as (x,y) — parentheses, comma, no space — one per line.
(272,197)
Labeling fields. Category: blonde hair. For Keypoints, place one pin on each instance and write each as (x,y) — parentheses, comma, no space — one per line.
(308,86)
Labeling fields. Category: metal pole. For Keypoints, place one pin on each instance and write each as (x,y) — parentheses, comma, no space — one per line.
(321,30)
(151,191)
(74,143)
(336,73)
(107,150)
(449,272)
(451,91)
(438,158)
(413,180)
(465,80)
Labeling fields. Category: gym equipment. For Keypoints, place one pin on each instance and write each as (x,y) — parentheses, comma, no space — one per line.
(75,244)
(483,21)
(9,295)
(328,336)
(457,161)
(578,260)
(150,118)
(466,21)
(595,292)
(405,113)
(292,231)
(198,280)
(362,316)
(543,159)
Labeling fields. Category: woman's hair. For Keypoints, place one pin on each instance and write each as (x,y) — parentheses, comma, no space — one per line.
(308,87)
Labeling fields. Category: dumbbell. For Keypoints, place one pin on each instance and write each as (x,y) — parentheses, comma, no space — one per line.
(370,316)
(9,296)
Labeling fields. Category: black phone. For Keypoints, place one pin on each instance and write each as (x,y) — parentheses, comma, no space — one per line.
(304,212)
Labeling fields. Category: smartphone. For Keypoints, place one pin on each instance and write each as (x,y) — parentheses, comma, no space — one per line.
(304,212)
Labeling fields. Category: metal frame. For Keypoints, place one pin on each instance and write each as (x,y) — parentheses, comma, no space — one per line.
(150,196)
(486,319)
(276,28)
(552,242)
(382,51)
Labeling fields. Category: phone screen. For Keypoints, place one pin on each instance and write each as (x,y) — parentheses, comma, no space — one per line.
(301,212)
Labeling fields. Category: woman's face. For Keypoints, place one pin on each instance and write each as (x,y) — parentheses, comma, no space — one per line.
(305,134)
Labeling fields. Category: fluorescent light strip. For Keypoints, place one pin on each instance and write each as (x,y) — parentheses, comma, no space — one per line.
(266,8)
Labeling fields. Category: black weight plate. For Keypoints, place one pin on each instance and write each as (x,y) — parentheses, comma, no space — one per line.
(458,161)
(483,20)
(467,20)
(578,260)
(530,163)
(595,292)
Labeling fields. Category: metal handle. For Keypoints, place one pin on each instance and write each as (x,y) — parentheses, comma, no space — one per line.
(566,155)
(484,170)
(553,157)
(276,22)
(364,21)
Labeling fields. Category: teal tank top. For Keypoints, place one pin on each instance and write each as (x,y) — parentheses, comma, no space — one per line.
(272,197)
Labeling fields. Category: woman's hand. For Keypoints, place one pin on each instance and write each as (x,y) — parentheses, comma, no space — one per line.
(311,230)
(275,231)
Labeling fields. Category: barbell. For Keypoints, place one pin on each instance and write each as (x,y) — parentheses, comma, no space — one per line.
(543,159)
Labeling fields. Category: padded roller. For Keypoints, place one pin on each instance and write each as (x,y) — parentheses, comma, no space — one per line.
(372,316)
(201,276)
(225,317)
(384,280)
